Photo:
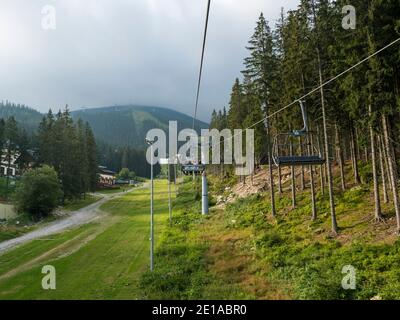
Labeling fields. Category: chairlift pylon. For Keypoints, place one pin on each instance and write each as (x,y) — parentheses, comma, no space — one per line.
(295,148)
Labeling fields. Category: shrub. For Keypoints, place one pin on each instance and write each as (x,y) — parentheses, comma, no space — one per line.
(365,172)
(39,192)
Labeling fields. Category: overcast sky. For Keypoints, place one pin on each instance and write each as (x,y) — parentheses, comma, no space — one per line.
(109,52)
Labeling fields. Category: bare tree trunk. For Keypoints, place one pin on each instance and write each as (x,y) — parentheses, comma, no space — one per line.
(340,157)
(383,173)
(354,157)
(377,199)
(345,149)
(279,180)
(313,204)
(293,188)
(321,168)
(302,186)
(271,177)
(392,169)
(293,181)
(386,161)
(302,179)
(328,161)
(357,145)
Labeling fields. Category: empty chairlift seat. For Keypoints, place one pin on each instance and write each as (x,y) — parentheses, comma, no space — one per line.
(297,147)
(299,160)
(189,169)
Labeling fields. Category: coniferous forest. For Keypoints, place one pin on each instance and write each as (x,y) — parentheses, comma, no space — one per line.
(67,146)
(70,148)
(354,117)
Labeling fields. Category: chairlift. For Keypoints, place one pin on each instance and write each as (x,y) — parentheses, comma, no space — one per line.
(295,148)
(189,169)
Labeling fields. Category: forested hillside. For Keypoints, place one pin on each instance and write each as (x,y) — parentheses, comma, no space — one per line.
(349,82)
(292,231)
(119,131)
(27,117)
(117,126)
(67,146)
(128,125)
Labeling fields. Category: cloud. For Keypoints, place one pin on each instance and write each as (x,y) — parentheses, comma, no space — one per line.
(125,51)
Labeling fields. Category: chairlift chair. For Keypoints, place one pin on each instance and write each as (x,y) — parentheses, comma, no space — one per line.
(295,148)
(190,168)
(193,166)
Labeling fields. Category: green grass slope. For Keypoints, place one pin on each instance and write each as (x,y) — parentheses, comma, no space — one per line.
(236,252)
(239,251)
(101,260)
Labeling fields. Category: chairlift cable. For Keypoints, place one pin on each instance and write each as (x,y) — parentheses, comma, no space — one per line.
(201,63)
(317,88)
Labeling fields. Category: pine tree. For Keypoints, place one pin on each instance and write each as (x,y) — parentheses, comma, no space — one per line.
(91,154)
(252,105)
(236,111)
(71,149)
(261,69)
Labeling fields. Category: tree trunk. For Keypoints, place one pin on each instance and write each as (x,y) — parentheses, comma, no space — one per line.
(313,205)
(321,168)
(340,157)
(386,162)
(302,179)
(383,170)
(345,149)
(279,180)
(377,199)
(293,181)
(357,145)
(271,177)
(354,157)
(328,161)
(392,169)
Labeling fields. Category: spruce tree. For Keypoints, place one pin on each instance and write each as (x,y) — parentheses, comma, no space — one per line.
(260,68)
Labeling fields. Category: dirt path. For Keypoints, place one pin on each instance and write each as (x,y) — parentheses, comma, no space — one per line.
(231,258)
(75,218)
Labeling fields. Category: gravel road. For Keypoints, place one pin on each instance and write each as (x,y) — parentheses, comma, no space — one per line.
(75,218)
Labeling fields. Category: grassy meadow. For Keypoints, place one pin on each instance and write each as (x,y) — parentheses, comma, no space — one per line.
(101,260)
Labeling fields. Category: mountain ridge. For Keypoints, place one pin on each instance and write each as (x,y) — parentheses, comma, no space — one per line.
(122,125)
(133,122)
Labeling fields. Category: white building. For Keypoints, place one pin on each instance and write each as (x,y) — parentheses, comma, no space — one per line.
(11,170)
(106,177)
